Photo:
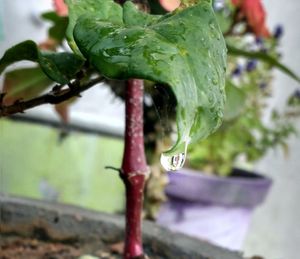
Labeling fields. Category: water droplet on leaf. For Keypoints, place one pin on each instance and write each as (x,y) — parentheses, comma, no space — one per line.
(174,161)
(105,54)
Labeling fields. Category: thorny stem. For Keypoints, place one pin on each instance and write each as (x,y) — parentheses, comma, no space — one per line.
(134,168)
(56,96)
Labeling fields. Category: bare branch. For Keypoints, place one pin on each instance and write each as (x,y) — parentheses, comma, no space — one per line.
(55,96)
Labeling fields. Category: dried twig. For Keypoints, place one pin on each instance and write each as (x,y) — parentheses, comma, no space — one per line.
(55,96)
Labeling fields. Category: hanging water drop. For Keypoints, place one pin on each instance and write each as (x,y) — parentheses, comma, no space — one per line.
(174,161)
(105,54)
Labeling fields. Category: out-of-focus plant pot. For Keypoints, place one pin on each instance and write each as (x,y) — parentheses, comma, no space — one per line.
(213,208)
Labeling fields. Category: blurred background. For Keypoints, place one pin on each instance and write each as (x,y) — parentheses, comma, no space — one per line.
(37,161)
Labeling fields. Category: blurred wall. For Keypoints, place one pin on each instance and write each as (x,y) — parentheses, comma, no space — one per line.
(21,21)
(275,230)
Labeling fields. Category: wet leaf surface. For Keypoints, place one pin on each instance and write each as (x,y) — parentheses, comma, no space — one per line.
(184,49)
(59,67)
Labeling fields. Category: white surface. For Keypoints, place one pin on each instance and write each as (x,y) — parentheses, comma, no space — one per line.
(216,224)
(275,229)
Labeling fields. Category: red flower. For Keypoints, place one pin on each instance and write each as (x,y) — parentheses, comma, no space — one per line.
(60,7)
(255,15)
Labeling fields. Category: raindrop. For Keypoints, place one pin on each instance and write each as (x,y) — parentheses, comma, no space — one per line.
(105,54)
(173,162)
(220,114)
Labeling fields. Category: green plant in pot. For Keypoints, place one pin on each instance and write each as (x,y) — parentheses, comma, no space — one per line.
(214,195)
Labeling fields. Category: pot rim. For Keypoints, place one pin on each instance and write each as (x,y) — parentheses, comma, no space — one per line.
(258,179)
(191,186)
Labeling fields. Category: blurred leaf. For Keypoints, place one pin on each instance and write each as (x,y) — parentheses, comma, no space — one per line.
(24,83)
(183,49)
(59,26)
(62,109)
(263,57)
(224,21)
(294,99)
(235,101)
(60,67)
(285,148)
(48,45)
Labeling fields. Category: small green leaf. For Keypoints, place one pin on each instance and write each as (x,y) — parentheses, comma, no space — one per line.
(184,49)
(60,67)
(24,83)
(26,50)
(263,57)
(224,20)
(59,26)
(235,101)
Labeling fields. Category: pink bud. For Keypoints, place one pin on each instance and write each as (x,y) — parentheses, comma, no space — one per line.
(169,5)
(60,7)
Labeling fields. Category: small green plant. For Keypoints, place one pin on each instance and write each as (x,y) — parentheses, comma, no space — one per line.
(244,134)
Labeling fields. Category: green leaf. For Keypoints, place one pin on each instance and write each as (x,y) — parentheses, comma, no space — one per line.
(184,49)
(263,57)
(26,50)
(24,83)
(106,10)
(235,101)
(224,20)
(133,17)
(60,67)
(59,26)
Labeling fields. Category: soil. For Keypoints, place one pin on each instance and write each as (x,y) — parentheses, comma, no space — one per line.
(14,247)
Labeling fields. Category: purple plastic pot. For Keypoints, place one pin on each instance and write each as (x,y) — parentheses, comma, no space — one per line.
(217,209)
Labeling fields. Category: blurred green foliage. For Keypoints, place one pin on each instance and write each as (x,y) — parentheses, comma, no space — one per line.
(250,128)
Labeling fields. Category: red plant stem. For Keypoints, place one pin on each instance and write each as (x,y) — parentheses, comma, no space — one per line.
(134,168)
